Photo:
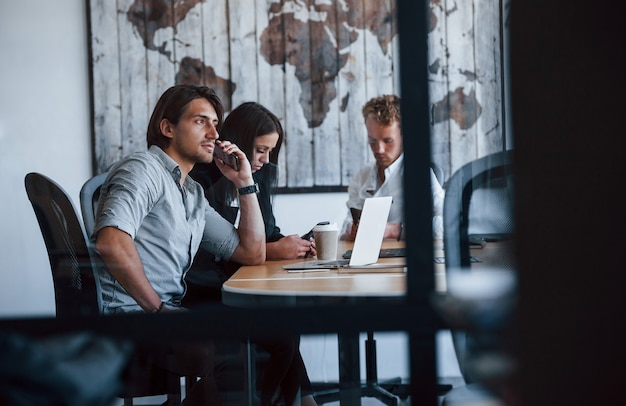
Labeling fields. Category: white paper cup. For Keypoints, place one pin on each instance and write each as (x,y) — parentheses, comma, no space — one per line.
(326,237)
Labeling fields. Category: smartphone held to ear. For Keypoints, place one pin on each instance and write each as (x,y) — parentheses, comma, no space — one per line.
(229,159)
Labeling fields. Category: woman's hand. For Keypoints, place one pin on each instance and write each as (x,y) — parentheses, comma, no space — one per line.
(291,247)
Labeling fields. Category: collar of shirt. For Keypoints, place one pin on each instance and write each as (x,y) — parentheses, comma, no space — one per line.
(172,166)
(391,169)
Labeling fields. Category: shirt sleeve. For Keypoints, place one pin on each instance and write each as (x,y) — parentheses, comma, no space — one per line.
(438,197)
(220,237)
(126,197)
(438,194)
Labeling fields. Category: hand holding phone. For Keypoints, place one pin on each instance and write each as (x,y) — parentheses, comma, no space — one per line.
(229,159)
(309,235)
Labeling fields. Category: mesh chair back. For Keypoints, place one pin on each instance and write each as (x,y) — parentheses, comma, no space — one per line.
(478,205)
(491,180)
(75,284)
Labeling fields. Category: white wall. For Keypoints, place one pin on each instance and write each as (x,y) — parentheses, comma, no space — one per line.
(45,127)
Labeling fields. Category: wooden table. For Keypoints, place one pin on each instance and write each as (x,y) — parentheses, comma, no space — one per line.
(270,285)
(260,284)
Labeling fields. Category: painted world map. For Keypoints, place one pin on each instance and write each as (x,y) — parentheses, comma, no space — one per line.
(313,36)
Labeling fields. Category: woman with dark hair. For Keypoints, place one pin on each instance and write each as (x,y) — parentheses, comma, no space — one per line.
(257,132)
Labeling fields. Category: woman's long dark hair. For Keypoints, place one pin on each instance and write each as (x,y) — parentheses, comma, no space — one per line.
(248,121)
(242,126)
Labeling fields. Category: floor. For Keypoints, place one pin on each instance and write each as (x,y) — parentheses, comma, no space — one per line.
(158,400)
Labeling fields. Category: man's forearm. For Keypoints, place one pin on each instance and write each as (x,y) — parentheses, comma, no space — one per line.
(120,255)
(252,249)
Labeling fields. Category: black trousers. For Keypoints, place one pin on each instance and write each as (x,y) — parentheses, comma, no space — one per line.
(184,358)
(285,373)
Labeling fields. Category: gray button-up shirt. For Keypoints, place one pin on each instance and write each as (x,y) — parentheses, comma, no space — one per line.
(142,196)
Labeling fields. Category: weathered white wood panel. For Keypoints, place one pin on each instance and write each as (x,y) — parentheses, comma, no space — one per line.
(379,62)
(461,87)
(438,85)
(314,64)
(214,58)
(243,50)
(106,90)
(161,66)
(189,32)
(299,168)
(134,95)
(488,76)
(352,94)
(271,89)
(326,154)
(465,81)
(354,147)
(188,43)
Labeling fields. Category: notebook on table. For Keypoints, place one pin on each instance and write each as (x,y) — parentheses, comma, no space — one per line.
(367,244)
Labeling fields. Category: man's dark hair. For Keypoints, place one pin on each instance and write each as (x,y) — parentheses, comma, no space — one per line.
(172,105)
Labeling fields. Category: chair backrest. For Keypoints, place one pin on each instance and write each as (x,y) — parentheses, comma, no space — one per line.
(76,287)
(493,176)
(89,195)
(479,197)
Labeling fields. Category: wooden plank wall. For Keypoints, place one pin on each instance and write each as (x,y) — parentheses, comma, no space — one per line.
(466,81)
(314,63)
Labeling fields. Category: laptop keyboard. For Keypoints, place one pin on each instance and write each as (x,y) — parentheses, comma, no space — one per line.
(384,253)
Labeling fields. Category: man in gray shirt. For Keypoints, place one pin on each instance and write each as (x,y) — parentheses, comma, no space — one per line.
(152,218)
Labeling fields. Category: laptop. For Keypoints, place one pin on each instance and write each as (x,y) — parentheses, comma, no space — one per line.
(367,244)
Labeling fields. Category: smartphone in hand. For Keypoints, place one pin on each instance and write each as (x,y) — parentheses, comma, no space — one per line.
(308,235)
(229,159)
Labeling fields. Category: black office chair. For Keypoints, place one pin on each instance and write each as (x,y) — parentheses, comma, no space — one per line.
(76,287)
(478,208)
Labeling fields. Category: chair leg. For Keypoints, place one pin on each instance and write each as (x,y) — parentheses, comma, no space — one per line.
(250,372)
